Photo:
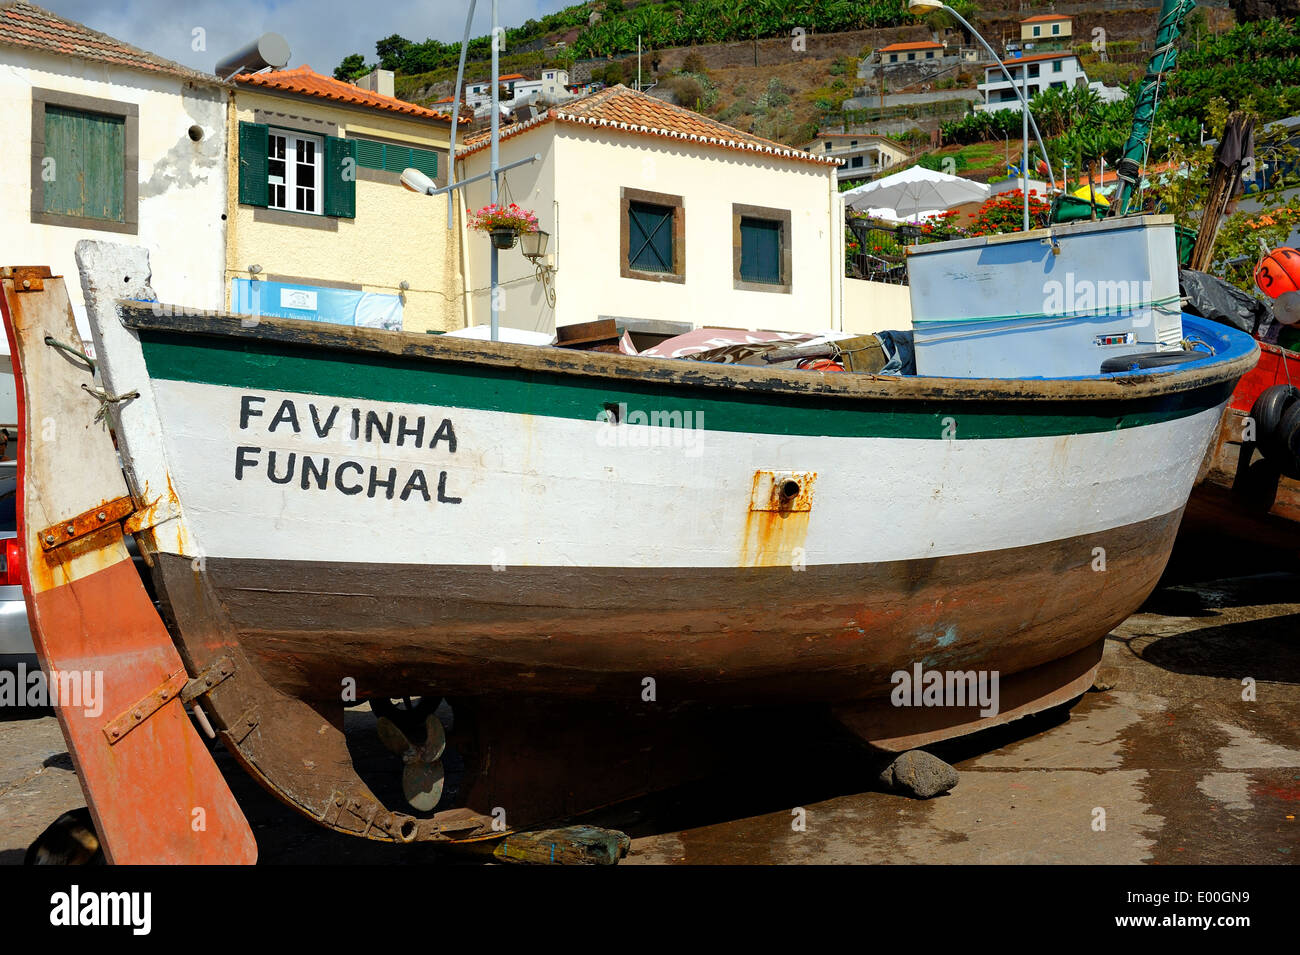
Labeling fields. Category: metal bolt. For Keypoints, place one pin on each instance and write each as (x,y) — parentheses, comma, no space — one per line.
(102,516)
(49,538)
(136,716)
(27,283)
(69,529)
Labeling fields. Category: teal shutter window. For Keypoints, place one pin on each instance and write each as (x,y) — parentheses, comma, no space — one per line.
(650,237)
(253,189)
(340,177)
(391,158)
(89,171)
(760,251)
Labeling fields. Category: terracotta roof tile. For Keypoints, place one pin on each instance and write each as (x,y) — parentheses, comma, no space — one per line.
(34,28)
(1045,16)
(307,82)
(919,45)
(1030,59)
(619,107)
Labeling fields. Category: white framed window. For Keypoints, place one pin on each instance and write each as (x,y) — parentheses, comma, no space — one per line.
(295,165)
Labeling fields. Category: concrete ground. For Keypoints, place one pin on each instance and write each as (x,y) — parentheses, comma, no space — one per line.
(1169,760)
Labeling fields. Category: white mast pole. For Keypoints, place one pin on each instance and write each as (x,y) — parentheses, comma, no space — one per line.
(495,163)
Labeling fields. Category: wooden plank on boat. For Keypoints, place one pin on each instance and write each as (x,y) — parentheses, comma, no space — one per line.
(155,794)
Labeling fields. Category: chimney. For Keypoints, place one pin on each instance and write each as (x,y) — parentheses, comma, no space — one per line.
(377,81)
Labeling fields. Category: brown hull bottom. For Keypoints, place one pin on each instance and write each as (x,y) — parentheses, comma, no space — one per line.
(758,635)
(606,661)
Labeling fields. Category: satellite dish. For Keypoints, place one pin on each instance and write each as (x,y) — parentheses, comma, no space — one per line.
(268,50)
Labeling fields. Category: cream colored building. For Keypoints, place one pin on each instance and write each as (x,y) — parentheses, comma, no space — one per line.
(862,155)
(106,141)
(1046,30)
(657,213)
(319,226)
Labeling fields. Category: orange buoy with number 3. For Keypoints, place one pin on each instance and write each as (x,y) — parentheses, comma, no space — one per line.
(1278,277)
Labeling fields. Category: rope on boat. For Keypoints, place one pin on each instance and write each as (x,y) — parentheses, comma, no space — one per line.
(106,398)
(1118,309)
(1189,344)
(1022,322)
(75,352)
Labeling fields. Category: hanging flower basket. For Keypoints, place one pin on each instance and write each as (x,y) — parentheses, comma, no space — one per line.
(504,223)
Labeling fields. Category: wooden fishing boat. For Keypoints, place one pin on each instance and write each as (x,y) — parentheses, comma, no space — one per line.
(335,513)
(1250,481)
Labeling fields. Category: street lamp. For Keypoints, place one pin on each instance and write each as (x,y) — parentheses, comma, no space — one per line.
(417,181)
(922,6)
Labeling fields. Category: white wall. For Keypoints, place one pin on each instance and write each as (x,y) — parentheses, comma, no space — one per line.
(182,183)
(576,192)
(522,303)
(876,307)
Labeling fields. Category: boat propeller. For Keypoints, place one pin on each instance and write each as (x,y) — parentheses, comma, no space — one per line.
(422,775)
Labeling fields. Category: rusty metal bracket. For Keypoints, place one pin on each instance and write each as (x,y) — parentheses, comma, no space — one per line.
(117,728)
(246,723)
(28,278)
(110,512)
(209,678)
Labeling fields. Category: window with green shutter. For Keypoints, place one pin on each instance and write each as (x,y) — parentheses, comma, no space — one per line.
(297,172)
(389,157)
(650,237)
(760,251)
(84,166)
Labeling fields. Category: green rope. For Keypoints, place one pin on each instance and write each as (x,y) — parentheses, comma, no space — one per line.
(76,353)
(1159,303)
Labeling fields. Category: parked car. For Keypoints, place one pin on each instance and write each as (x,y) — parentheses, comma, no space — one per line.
(15,636)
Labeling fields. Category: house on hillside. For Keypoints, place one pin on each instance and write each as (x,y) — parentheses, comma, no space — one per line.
(319,226)
(910,52)
(518,90)
(107,141)
(1034,73)
(657,213)
(1047,31)
(863,155)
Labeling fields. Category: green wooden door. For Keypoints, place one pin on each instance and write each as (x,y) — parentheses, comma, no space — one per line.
(88,175)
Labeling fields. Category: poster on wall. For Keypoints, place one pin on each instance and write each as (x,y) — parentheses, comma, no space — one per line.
(339,306)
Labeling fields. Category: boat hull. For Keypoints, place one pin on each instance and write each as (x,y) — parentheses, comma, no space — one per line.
(828,633)
(334,514)
(518,541)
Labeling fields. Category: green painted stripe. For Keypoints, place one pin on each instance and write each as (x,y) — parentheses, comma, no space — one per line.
(272,366)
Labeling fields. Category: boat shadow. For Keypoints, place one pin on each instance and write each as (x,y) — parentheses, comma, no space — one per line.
(1266,650)
(832,763)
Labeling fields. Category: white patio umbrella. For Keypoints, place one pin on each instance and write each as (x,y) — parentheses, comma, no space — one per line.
(916,190)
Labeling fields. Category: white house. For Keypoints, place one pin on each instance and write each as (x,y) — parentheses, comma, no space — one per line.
(107,141)
(862,154)
(520,90)
(655,212)
(1040,71)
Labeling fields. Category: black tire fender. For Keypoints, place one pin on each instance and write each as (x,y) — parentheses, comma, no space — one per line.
(1154,359)
(1267,413)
